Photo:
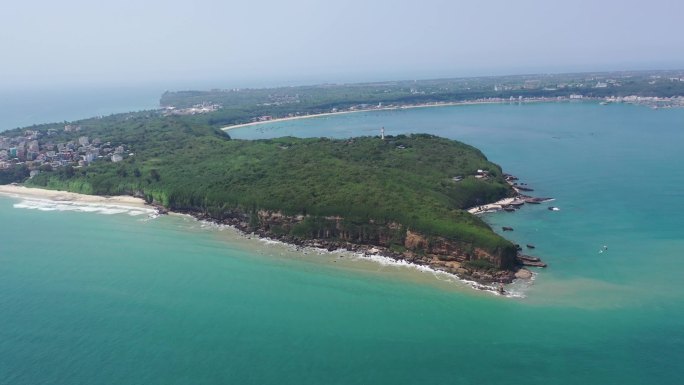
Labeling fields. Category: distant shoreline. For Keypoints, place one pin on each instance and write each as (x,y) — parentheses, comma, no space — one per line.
(437,104)
(393,108)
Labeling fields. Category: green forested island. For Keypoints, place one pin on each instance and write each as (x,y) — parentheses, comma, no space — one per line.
(402,194)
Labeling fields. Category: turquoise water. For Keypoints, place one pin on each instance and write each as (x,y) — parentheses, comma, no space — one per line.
(118,299)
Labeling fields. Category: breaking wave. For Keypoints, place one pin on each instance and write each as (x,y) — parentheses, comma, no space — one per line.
(514,290)
(98,208)
(517,289)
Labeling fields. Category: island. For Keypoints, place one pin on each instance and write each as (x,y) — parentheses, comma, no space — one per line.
(401,196)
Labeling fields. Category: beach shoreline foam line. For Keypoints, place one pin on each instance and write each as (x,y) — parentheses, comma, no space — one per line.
(65,196)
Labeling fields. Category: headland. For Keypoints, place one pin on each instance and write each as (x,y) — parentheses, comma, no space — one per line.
(400,196)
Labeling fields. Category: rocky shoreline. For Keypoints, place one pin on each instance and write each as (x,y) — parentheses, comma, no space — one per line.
(457,267)
(450,260)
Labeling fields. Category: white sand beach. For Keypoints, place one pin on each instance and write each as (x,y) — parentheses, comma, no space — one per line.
(65,196)
(498,205)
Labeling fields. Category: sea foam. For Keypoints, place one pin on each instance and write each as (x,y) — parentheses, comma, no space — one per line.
(517,289)
(97,208)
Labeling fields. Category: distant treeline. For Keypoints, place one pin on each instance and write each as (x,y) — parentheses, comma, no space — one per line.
(242,105)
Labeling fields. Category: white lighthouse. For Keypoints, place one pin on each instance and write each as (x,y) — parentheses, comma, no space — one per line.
(382,133)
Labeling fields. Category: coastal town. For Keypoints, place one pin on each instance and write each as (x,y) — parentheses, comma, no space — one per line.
(42,151)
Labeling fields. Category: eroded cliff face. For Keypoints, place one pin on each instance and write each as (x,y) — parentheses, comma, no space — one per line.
(392,240)
(419,248)
(445,249)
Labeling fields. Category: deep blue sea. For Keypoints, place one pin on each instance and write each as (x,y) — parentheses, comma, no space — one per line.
(25,107)
(88,298)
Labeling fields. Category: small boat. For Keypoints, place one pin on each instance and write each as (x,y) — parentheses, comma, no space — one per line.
(506,228)
(553,208)
(509,209)
(530,246)
(524,188)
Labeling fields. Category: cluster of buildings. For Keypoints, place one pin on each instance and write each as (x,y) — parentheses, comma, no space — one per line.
(537,84)
(39,150)
(650,101)
(202,108)
(280,99)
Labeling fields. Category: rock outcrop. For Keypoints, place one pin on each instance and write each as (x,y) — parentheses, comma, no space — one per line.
(392,240)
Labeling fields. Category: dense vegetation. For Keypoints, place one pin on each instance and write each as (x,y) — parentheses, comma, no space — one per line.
(369,182)
(17,173)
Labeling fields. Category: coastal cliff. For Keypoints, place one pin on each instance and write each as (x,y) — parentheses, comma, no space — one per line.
(391,240)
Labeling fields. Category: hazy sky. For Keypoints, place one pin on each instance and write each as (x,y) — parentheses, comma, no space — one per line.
(260,42)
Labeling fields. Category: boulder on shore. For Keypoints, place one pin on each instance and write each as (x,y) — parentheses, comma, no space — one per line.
(523,274)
